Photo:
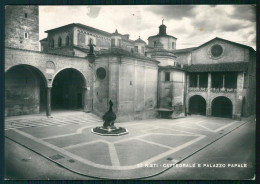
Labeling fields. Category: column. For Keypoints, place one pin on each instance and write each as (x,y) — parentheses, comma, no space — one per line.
(198,81)
(208,103)
(84,99)
(223,82)
(48,110)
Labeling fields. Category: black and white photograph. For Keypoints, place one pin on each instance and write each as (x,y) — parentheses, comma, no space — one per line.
(116,92)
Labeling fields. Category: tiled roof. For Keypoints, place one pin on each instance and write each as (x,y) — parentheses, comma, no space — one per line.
(184,50)
(121,52)
(80,25)
(139,40)
(161,36)
(220,67)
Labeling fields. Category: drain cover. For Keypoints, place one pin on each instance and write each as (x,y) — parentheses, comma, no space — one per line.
(71,161)
(26,159)
(56,157)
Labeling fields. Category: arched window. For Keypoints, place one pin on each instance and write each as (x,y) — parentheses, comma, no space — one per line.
(52,43)
(59,42)
(67,41)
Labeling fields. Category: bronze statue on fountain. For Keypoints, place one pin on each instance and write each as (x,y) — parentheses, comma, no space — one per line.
(108,127)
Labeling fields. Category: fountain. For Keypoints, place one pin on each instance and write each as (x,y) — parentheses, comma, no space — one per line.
(108,127)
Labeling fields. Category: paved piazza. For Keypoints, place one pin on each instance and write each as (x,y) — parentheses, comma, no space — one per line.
(151,147)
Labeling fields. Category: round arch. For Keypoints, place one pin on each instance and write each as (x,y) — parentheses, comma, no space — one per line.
(222,107)
(67,89)
(74,69)
(25,90)
(30,68)
(197,105)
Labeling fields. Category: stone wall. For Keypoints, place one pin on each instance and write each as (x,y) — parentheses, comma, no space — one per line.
(47,66)
(183,58)
(171,93)
(231,53)
(130,83)
(18,21)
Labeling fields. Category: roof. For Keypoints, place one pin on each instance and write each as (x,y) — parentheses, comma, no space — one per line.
(116,33)
(121,52)
(139,40)
(228,41)
(219,67)
(81,49)
(82,26)
(184,50)
(161,36)
(178,67)
(44,39)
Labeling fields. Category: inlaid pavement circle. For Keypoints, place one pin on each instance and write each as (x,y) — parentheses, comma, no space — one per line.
(150,147)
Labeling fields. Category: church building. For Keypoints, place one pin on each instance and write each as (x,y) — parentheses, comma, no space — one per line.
(144,81)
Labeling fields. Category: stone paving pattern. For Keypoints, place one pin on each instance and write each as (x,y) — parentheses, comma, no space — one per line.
(68,141)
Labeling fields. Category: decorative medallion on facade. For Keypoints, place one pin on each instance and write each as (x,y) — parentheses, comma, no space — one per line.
(50,69)
(216,51)
(101,73)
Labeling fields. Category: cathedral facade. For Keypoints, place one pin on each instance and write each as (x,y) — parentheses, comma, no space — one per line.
(143,80)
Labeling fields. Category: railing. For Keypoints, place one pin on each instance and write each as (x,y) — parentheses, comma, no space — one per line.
(223,90)
(214,90)
(198,89)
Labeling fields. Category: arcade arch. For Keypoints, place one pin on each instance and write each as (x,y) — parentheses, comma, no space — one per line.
(24,90)
(222,107)
(197,105)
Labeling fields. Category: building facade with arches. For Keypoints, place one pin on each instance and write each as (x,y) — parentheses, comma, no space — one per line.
(143,80)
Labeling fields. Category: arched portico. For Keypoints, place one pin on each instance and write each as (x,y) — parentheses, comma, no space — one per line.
(68,90)
(197,105)
(25,90)
(222,107)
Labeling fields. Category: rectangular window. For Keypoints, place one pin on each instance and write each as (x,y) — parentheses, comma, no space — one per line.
(173,45)
(142,49)
(167,76)
(136,49)
(113,42)
(26,35)
(25,15)
(193,80)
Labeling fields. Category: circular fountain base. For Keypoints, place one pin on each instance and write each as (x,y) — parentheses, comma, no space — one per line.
(109,131)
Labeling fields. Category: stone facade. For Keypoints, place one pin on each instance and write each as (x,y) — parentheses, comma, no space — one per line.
(22,27)
(216,78)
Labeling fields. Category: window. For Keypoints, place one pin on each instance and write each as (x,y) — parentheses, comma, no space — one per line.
(154,43)
(67,41)
(26,35)
(142,49)
(173,45)
(25,15)
(112,42)
(59,42)
(52,43)
(136,49)
(119,43)
(216,50)
(167,76)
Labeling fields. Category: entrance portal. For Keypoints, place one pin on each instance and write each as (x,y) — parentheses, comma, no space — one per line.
(66,92)
(222,107)
(197,105)
(24,91)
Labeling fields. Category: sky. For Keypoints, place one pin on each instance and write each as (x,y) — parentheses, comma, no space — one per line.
(192,25)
